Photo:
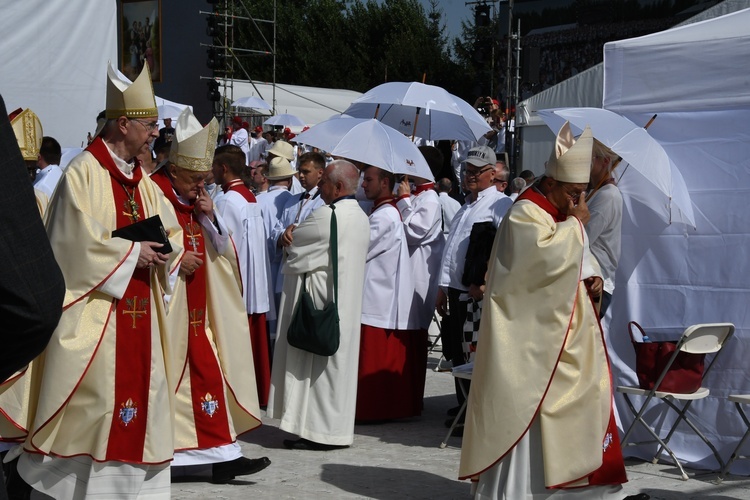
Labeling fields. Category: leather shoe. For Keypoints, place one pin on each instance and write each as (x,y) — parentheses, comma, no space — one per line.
(306,444)
(452,412)
(639,496)
(226,471)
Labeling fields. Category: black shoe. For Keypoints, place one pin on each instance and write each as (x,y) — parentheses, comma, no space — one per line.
(639,496)
(226,471)
(458,431)
(453,411)
(306,444)
(449,421)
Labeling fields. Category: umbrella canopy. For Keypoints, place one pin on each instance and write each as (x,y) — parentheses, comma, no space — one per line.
(421,110)
(653,180)
(251,102)
(370,142)
(285,120)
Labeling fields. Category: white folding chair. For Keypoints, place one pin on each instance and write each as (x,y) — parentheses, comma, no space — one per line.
(738,400)
(699,339)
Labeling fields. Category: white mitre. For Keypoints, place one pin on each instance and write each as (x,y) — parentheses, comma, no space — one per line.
(134,100)
(570,160)
(193,145)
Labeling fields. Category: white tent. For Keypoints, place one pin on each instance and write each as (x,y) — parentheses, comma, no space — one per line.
(54,58)
(671,276)
(312,104)
(584,90)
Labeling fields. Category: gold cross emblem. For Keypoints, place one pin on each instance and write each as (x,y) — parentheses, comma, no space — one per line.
(196,320)
(134,304)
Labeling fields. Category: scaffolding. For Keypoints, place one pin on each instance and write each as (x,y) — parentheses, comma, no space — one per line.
(225,57)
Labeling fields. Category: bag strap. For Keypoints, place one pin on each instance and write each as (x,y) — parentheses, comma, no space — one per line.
(335,254)
(334,258)
(630,331)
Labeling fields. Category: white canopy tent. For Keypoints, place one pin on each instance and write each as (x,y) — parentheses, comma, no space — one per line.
(49,63)
(671,276)
(584,90)
(312,104)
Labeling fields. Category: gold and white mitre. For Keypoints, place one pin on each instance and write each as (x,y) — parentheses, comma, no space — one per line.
(134,100)
(570,160)
(28,131)
(193,145)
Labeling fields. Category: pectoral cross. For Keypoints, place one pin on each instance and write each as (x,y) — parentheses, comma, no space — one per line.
(193,235)
(196,320)
(134,312)
(131,207)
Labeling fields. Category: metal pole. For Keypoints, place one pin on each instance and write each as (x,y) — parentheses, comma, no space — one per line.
(274,57)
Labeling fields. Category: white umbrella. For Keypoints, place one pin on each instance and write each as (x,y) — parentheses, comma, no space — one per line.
(168,111)
(665,190)
(285,120)
(370,142)
(251,102)
(420,110)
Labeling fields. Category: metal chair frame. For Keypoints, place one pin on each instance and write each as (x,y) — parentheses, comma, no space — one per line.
(705,338)
(738,400)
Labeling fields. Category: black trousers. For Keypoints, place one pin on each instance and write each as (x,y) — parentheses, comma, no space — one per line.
(452,337)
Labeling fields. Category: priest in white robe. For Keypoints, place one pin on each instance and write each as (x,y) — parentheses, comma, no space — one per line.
(314,396)
(393,349)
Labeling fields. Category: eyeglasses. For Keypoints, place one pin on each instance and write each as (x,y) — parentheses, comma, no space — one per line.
(476,173)
(573,194)
(150,126)
(499,181)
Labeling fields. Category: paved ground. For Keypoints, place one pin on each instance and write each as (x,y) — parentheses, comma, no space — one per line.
(402,460)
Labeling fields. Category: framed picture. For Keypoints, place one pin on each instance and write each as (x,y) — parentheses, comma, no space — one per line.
(140,37)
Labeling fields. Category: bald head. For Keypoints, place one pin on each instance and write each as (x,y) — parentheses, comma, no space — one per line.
(340,178)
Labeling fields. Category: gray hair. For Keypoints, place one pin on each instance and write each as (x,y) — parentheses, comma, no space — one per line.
(345,172)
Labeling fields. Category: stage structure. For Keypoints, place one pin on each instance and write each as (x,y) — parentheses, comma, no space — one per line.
(227,59)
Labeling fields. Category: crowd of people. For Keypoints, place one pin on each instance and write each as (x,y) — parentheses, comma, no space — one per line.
(186,261)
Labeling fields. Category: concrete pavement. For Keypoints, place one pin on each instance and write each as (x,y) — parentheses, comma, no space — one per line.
(402,460)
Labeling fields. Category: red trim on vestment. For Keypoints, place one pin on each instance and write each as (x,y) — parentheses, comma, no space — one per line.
(422,188)
(239,187)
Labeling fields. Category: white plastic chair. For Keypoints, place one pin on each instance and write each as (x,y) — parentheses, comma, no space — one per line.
(706,339)
(738,400)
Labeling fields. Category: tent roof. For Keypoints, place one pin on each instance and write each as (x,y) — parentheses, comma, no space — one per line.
(678,71)
(312,104)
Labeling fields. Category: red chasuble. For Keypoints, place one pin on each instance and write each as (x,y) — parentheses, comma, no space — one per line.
(206,378)
(258,327)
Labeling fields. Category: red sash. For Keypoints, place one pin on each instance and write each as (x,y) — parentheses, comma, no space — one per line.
(127,434)
(239,187)
(206,379)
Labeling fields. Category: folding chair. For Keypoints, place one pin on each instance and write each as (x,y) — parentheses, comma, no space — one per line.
(707,338)
(738,400)
(463,372)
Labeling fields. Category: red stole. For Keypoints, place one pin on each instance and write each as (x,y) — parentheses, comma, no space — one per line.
(206,379)
(127,434)
(532,194)
(239,187)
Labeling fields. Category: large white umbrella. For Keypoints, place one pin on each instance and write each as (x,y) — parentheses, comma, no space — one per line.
(368,141)
(251,102)
(647,174)
(285,120)
(420,110)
